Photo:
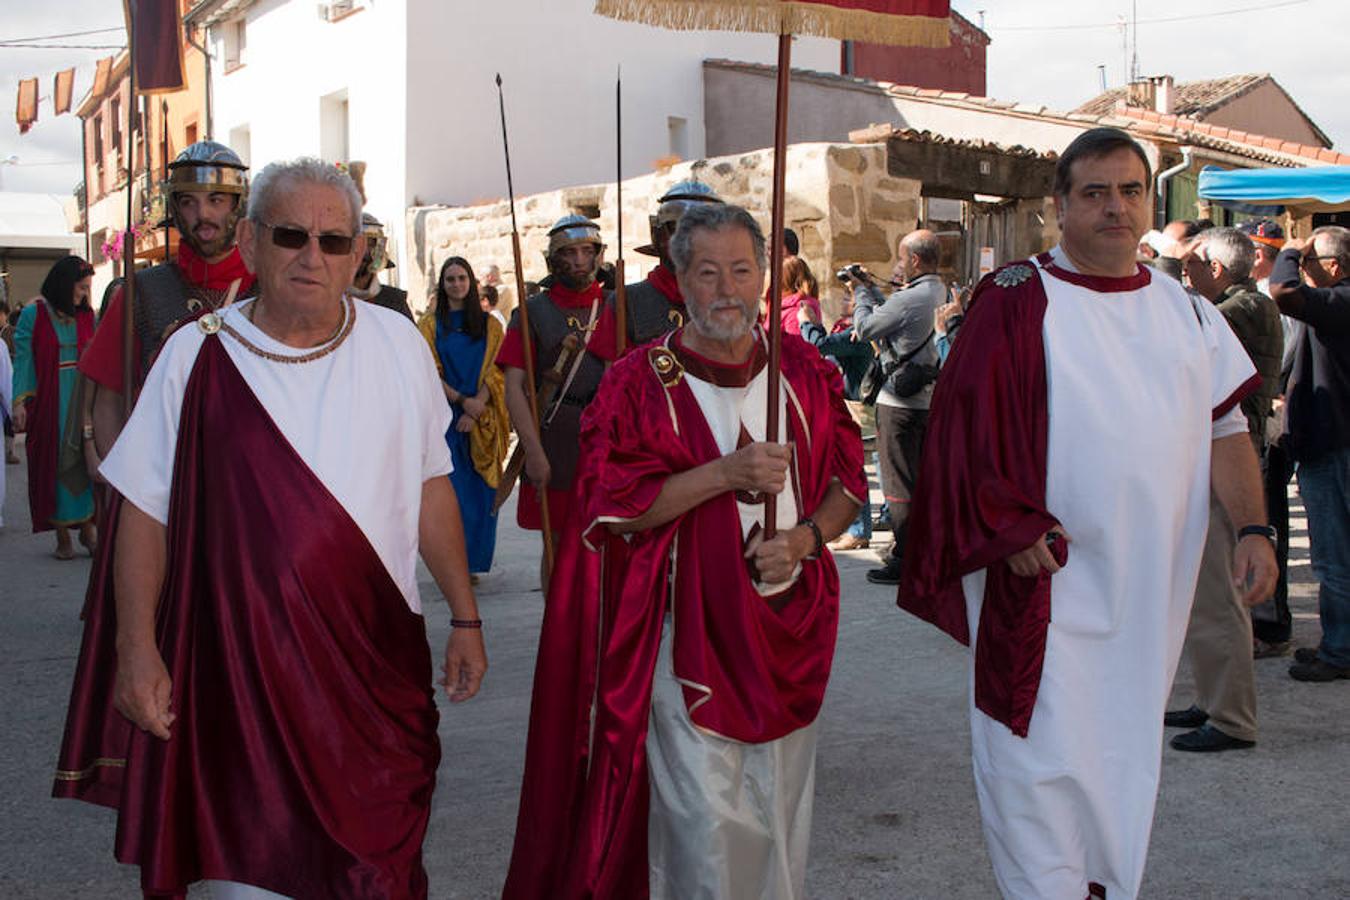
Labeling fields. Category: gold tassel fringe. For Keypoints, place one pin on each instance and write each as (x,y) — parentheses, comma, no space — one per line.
(780,17)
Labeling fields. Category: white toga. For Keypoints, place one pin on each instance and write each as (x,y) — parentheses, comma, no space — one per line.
(1134,378)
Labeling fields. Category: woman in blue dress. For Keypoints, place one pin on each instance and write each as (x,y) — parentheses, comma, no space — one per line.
(465,341)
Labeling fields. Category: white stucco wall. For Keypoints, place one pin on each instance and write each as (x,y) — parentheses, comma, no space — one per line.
(558,62)
(292,60)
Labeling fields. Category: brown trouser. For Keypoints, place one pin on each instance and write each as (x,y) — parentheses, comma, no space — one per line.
(1219,638)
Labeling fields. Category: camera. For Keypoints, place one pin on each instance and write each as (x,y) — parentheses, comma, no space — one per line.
(854,272)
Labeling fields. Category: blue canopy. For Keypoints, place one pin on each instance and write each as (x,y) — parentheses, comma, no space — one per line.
(1273,191)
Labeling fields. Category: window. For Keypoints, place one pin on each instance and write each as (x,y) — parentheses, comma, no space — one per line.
(115,117)
(241,142)
(333,135)
(236,42)
(189,134)
(678,127)
(97,128)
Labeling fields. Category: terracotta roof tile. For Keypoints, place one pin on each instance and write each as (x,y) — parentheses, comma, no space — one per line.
(1189,98)
(1326,155)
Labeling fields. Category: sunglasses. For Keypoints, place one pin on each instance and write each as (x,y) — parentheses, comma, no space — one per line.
(295,238)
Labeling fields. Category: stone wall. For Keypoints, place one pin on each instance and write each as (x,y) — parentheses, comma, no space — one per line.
(840,201)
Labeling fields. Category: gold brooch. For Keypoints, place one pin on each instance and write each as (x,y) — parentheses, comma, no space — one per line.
(666,366)
(1012,276)
(677,317)
(209,323)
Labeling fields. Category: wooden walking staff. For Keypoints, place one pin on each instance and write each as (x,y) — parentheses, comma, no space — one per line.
(915,23)
(128,237)
(620,291)
(526,338)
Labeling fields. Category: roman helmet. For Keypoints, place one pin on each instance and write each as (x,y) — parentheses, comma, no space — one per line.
(377,246)
(671,207)
(207,167)
(569,231)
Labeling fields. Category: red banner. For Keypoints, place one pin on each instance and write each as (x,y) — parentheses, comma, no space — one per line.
(26,110)
(156,45)
(102,72)
(912,23)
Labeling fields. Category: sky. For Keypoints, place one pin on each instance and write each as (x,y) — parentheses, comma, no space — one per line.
(1040,54)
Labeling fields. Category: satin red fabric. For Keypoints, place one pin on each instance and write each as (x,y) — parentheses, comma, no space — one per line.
(44,411)
(981,496)
(304,752)
(582,827)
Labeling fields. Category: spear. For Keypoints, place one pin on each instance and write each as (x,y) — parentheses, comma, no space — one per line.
(526,337)
(620,292)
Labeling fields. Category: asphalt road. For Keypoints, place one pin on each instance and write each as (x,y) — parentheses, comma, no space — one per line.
(895,813)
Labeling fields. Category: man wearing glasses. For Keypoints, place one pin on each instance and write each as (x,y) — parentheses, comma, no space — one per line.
(1311,283)
(269,643)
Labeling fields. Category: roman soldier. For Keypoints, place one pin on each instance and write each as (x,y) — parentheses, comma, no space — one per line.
(367,284)
(655,305)
(205,196)
(574,304)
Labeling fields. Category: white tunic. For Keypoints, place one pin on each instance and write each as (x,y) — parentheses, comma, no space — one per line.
(727,819)
(1133,378)
(369,419)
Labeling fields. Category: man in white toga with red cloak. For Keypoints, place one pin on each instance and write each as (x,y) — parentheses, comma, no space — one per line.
(1060,520)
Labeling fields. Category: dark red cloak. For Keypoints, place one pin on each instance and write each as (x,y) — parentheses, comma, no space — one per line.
(304,752)
(982,495)
(582,827)
(44,411)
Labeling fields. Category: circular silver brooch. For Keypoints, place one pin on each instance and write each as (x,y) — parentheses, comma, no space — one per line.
(1012,276)
(209,323)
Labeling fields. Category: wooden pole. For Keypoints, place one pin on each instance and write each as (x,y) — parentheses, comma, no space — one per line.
(526,337)
(620,291)
(128,239)
(774,324)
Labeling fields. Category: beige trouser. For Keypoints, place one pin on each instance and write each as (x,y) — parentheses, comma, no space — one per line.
(1219,637)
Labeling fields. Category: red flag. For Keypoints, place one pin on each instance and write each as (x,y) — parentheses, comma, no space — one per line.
(157,45)
(26,113)
(911,23)
(63,90)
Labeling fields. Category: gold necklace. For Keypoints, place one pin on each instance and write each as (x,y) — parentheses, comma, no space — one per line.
(343,330)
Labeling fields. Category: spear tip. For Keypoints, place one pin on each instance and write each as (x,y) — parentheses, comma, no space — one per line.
(499,79)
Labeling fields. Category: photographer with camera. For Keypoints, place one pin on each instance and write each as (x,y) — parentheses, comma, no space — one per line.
(901,327)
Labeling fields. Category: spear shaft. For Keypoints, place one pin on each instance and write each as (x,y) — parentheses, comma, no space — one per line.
(526,336)
(620,291)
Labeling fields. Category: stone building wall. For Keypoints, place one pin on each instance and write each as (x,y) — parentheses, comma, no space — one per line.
(840,201)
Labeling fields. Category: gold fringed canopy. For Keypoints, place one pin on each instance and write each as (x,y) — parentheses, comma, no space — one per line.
(907,23)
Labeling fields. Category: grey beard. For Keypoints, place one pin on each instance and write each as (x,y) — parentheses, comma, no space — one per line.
(717,332)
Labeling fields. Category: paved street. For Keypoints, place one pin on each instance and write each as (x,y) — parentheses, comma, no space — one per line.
(895,813)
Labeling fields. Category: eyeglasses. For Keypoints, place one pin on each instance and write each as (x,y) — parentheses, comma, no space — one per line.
(295,238)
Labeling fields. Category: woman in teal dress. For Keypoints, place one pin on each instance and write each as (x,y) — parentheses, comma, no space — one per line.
(52,332)
(465,340)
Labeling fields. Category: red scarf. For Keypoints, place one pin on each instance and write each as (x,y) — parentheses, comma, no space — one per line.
(562,295)
(664,281)
(215,276)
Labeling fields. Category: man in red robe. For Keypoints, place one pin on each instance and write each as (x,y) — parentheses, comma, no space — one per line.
(672,733)
(268,645)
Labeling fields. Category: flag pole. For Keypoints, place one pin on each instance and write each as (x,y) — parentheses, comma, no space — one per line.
(620,291)
(128,238)
(774,324)
(526,337)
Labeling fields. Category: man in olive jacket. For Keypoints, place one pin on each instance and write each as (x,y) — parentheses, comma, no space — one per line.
(1219,637)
